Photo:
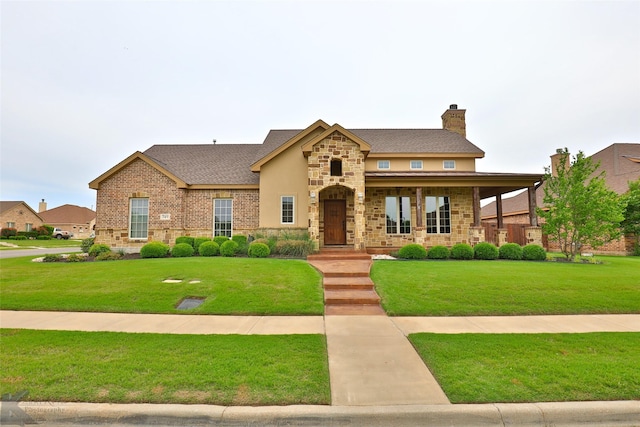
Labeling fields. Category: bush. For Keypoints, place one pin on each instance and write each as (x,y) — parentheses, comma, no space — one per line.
(271,242)
(154,250)
(185,239)
(97,249)
(209,248)
(258,250)
(412,251)
(198,241)
(52,258)
(18,237)
(220,240)
(438,252)
(44,230)
(109,256)
(75,258)
(241,240)
(461,251)
(28,234)
(485,250)
(511,251)
(534,253)
(86,244)
(229,248)
(43,237)
(182,250)
(294,248)
(5,233)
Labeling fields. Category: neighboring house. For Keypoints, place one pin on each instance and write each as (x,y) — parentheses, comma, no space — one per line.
(72,218)
(19,215)
(369,189)
(621,164)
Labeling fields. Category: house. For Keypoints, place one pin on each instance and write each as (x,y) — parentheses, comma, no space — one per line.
(369,189)
(621,164)
(75,219)
(19,215)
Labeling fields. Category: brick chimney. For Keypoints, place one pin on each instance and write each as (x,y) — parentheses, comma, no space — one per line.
(42,206)
(555,161)
(453,120)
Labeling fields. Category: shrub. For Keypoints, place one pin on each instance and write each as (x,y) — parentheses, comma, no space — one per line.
(182,250)
(154,250)
(109,256)
(5,233)
(271,242)
(28,234)
(534,253)
(97,249)
(52,258)
(185,239)
(241,240)
(229,248)
(220,240)
(18,237)
(438,252)
(412,251)
(198,241)
(294,248)
(43,237)
(485,250)
(75,258)
(86,244)
(209,248)
(44,230)
(258,250)
(511,251)
(461,251)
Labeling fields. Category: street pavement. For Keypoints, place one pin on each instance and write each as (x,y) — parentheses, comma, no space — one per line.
(36,252)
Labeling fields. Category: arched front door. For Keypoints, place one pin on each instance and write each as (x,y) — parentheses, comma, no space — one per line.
(335,222)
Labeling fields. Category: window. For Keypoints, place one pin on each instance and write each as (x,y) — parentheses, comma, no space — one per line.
(416,164)
(138,218)
(287,209)
(449,164)
(384,164)
(398,213)
(28,227)
(438,214)
(336,167)
(11,225)
(222,216)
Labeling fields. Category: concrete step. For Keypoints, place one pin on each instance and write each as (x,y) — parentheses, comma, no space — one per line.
(341,282)
(354,310)
(333,256)
(353,297)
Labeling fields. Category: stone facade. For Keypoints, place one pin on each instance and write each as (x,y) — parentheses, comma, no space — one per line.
(347,185)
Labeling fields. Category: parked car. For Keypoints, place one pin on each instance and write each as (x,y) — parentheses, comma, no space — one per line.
(59,233)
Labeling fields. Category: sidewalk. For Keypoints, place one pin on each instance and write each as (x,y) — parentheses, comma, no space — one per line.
(376,376)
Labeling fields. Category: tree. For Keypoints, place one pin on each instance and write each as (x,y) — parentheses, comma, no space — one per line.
(631,222)
(580,208)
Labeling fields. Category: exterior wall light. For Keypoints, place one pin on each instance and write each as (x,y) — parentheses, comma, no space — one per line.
(313,197)
(360,197)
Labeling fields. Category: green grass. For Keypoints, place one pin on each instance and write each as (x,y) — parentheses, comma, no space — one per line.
(483,368)
(209,369)
(28,244)
(241,286)
(472,288)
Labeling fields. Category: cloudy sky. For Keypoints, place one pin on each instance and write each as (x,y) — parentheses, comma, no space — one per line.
(87,83)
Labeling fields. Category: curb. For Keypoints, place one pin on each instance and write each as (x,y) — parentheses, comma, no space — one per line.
(615,413)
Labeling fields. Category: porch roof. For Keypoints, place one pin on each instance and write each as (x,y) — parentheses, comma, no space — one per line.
(489,183)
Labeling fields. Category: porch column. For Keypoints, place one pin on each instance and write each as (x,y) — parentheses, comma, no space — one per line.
(476,207)
(419,207)
(533,216)
(499,211)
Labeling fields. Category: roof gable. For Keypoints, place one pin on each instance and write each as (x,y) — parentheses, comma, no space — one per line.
(95,184)
(308,146)
(8,205)
(274,136)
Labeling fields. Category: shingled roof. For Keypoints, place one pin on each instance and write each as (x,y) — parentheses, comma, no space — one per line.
(230,164)
(68,214)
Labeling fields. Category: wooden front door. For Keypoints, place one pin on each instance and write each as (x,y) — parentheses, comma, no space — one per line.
(335,222)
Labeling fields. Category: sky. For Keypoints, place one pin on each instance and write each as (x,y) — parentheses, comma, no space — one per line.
(85,84)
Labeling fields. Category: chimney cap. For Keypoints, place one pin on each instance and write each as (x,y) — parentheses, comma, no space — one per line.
(453,106)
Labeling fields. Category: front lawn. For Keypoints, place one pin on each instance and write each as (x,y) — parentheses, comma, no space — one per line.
(489,368)
(114,367)
(475,288)
(242,286)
